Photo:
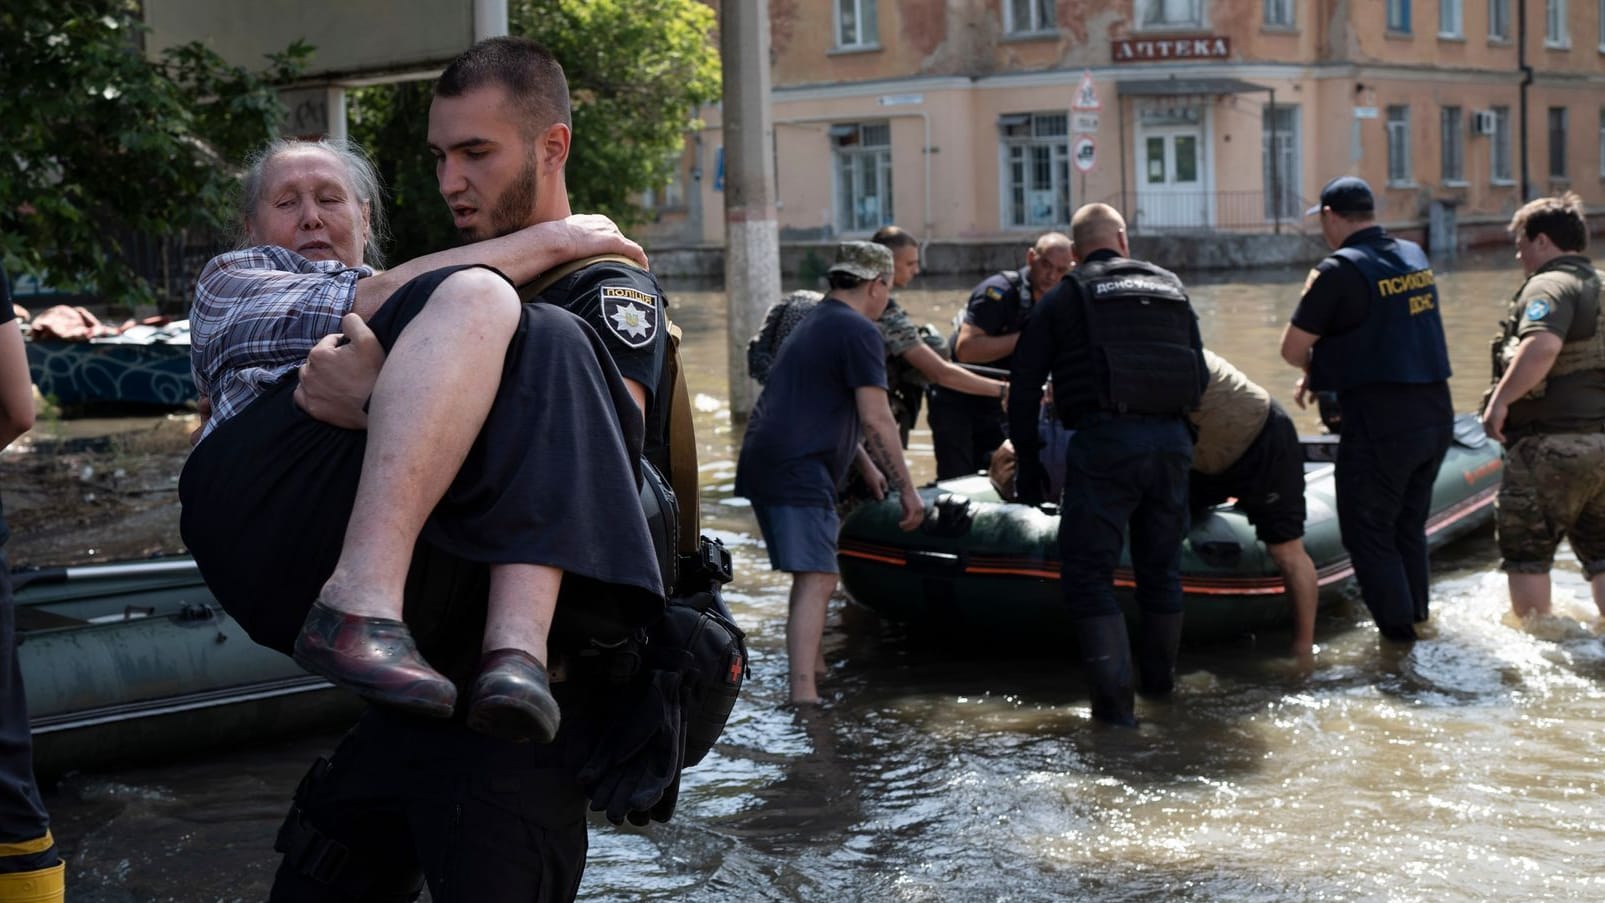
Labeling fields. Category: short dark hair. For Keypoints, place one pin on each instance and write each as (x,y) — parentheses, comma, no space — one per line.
(846,282)
(1562,218)
(894,238)
(533,79)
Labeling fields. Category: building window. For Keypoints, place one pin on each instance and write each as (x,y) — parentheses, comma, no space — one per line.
(1279,13)
(1602,26)
(855,24)
(1399,16)
(1036,168)
(1498,20)
(1280,146)
(1028,16)
(863,175)
(1555,24)
(1454,146)
(1449,19)
(1557,143)
(1602,143)
(668,196)
(1171,13)
(1398,145)
(1499,155)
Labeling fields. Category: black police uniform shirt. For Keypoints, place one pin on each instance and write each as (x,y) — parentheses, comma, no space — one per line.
(1336,300)
(804,429)
(999,307)
(625,305)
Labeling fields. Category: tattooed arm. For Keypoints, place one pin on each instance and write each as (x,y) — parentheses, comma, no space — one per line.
(880,440)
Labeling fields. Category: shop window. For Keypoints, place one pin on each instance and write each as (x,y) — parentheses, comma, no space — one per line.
(863,154)
(1036,169)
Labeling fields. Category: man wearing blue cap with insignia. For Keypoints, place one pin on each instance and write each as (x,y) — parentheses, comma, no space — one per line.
(1368,328)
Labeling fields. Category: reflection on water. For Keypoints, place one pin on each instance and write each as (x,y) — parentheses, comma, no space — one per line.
(1469,767)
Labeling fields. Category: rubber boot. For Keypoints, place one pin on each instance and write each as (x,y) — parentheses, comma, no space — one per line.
(1106,659)
(1156,655)
(39,886)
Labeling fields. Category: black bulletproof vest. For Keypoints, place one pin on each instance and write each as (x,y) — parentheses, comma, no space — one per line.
(1139,341)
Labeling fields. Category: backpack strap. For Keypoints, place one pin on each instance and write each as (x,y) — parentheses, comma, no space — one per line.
(531,290)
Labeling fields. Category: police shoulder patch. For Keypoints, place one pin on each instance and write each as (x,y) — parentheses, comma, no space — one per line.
(1537,309)
(630,314)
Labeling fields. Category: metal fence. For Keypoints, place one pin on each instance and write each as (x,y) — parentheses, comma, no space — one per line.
(171,263)
(1214,211)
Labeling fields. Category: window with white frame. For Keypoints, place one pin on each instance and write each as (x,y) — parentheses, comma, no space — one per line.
(1601,18)
(1171,13)
(1499,152)
(1279,157)
(1450,24)
(1453,146)
(863,175)
(1028,16)
(1279,13)
(1555,34)
(1498,20)
(1399,16)
(668,196)
(1557,143)
(1398,145)
(855,24)
(1036,168)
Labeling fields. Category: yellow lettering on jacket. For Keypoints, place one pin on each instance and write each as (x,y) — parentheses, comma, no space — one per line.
(1409,282)
(1420,303)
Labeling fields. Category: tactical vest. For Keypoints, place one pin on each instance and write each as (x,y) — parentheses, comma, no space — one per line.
(1401,339)
(1579,352)
(1139,334)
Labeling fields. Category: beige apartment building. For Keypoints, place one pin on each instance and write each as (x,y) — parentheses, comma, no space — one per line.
(980,121)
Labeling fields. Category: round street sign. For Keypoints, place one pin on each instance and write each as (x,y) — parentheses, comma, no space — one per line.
(1084,153)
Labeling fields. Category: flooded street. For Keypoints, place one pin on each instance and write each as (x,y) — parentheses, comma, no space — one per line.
(1470,767)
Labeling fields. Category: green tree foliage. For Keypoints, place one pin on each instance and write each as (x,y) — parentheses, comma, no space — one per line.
(101,143)
(637,72)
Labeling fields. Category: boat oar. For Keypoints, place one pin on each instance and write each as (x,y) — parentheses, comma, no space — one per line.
(25,576)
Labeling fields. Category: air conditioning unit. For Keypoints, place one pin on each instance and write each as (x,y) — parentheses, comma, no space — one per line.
(1484,122)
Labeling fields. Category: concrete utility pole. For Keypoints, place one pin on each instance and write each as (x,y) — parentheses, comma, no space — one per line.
(752,231)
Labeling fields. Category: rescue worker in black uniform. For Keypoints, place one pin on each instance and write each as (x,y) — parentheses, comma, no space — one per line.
(967,428)
(1121,341)
(29,867)
(1368,328)
(620,746)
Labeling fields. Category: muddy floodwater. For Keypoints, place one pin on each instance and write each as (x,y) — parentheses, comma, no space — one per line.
(1471,767)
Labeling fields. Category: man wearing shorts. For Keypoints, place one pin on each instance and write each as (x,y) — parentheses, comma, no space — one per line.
(826,392)
(1248,450)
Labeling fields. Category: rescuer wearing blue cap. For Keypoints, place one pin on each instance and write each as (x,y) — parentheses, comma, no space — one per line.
(1368,328)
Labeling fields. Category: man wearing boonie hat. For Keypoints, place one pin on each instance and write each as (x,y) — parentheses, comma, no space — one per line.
(825,394)
(1368,328)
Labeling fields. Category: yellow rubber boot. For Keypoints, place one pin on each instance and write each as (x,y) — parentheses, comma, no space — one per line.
(40,886)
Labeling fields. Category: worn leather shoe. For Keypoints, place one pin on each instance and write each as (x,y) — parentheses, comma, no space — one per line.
(512,698)
(374,657)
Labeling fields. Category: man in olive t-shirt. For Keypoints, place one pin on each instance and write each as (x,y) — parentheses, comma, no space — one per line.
(1548,406)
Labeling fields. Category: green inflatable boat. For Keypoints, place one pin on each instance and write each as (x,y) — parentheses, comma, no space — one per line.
(127,663)
(981,567)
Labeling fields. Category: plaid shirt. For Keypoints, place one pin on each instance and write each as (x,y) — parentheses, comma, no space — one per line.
(257,314)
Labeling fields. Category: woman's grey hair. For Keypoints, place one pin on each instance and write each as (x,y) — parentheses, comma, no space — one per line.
(362,179)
